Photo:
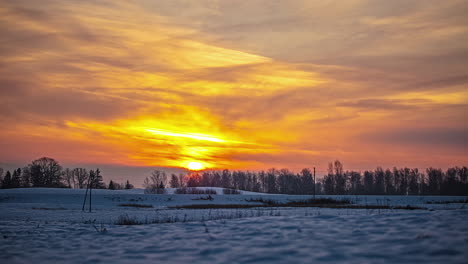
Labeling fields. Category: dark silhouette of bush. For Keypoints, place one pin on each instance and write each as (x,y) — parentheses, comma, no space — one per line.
(194,191)
(136,205)
(127,220)
(231,191)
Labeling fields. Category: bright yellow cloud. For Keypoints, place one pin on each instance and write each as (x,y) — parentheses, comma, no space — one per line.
(139,87)
(185,135)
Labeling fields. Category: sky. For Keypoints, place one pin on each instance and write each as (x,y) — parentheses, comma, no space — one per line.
(134,85)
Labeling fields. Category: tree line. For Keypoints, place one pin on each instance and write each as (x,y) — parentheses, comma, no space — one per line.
(47,172)
(396,181)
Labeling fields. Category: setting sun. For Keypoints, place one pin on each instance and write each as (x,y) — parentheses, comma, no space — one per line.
(194,165)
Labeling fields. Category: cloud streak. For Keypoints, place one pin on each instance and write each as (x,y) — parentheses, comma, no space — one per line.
(249,85)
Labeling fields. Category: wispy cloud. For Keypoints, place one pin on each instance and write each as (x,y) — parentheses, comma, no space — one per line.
(233,85)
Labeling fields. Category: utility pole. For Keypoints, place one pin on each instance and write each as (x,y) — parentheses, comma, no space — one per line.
(86,195)
(88,187)
(314,183)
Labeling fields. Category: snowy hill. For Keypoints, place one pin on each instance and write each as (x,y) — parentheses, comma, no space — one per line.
(47,225)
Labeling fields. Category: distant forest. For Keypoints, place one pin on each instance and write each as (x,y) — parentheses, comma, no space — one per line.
(46,172)
(404,181)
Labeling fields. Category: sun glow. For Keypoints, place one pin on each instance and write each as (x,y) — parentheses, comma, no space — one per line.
(193,165)
(185,135)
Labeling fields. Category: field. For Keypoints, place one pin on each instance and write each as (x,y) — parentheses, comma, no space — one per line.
(48,226)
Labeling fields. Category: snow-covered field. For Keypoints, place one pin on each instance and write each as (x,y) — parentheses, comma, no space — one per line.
(48,226)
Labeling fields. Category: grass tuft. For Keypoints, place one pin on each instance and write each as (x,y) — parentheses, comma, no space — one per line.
(209,197)
(194,191)
(48,208)
(301,203)
(320,203)
(127,220)
(231,191)
(136,205)
(448,202)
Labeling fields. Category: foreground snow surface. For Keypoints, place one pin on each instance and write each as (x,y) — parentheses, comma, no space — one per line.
(48,226)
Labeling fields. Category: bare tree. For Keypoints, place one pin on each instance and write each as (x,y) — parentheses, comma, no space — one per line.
(45,172)
(181,180)
(156,184)
(69,178)
(174,181)
(80,176)
(159,177)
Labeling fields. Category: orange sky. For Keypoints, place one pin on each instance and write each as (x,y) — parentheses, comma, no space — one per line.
(234,84)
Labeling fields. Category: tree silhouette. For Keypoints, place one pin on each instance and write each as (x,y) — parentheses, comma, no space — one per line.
(45,172)
(6,184)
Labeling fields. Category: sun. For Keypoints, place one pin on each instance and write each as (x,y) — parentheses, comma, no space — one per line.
(193,165)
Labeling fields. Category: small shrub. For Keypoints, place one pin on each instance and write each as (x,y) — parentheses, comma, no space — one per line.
(155,190)
(210,191)
(300,203)
(101,230)
(261,200)
(231,191)
(448,202)
(194,191)
(408,207)
(216,206)
(209,197)
(126,220)
(334,206)
(180,191)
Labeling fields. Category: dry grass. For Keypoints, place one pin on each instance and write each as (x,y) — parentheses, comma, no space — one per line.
(231,191)
(127,220)
(448,202)
(191,190)
(48,208)
(209,197)
(136,205)
(211,216)
(333,206)
(302,203)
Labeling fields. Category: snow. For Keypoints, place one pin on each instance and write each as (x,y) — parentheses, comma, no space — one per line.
(47,225)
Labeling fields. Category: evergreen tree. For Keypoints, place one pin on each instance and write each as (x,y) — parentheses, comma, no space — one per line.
(128,185)
(111,185)
(97,183)
(7,181)
(16,179)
